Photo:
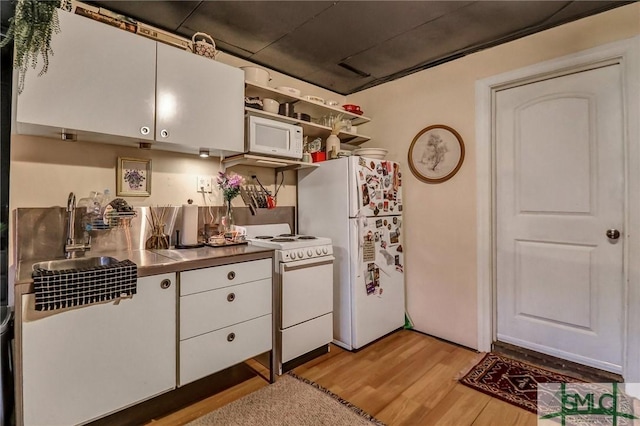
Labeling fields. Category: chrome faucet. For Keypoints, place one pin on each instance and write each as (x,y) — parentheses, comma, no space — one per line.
(71,247)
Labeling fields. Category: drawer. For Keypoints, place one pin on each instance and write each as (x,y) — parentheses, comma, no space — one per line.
(305,337)
(208,353)
(211,310)
(199,280)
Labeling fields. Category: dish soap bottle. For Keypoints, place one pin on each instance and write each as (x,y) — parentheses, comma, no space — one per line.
(106,208)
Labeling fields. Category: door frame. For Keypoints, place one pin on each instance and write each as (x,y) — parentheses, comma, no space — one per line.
(627,54)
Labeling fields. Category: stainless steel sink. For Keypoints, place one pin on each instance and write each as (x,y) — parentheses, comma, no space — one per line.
(78,263)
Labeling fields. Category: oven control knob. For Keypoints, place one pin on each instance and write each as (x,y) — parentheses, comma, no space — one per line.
(318,251)
(300,254)
(309,253)
(293,255)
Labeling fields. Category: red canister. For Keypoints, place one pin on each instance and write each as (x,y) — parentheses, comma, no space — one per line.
(318,156)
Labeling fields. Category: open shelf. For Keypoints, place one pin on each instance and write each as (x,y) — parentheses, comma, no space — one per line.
(312,130)
(314,109)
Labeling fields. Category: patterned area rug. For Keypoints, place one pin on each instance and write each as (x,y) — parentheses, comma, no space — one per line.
(512,381)
(291,401)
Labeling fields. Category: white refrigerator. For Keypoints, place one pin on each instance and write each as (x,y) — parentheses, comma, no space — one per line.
(357,202)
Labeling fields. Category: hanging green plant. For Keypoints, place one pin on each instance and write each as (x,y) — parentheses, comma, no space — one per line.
(31,29)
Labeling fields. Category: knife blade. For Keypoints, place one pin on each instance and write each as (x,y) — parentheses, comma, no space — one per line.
(247,200)
(254,200)
(256,194)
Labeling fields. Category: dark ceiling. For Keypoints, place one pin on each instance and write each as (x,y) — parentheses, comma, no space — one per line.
(347,46)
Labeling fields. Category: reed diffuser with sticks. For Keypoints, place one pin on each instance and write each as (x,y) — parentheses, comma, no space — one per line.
(158,239)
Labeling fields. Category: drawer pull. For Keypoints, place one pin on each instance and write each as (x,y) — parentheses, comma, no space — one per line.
(230,337)
(231,275)
(231,297)
(165,284)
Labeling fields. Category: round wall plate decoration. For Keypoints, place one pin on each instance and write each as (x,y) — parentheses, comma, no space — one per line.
(436,154)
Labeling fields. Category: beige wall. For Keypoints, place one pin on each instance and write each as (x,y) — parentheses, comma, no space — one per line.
(441,219)
(44,171)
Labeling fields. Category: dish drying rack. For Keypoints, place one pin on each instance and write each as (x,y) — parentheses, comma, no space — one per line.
(111,220)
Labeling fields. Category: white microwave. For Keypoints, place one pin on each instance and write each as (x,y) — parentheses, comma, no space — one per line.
(272,137)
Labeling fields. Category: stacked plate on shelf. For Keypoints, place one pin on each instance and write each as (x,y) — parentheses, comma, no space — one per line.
(375,153)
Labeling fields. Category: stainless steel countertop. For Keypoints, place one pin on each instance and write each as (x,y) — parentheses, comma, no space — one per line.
(154,262)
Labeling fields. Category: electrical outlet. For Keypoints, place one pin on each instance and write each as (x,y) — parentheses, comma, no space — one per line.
(204,184)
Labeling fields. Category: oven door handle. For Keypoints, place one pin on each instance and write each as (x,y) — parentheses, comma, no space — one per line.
(309,263)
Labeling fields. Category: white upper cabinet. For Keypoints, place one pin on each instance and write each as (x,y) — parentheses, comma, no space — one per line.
(109,85)
(200,102)
(100,79)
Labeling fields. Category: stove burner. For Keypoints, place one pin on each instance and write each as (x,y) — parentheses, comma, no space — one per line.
(307,237)
(287,235)
(264,237)
(282,240)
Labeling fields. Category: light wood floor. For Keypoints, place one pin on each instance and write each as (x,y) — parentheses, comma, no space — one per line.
(406,378)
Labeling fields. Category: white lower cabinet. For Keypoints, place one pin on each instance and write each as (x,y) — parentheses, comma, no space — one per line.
(225,317)
(82,364)
(203,355)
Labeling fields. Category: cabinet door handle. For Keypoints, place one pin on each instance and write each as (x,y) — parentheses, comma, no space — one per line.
(231,297)
(230,337)
(165,284)
(164,133)
(231,275)
(145,130)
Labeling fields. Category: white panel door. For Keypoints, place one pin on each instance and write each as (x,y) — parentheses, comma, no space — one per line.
(200,102)
(100,79)
(560,187)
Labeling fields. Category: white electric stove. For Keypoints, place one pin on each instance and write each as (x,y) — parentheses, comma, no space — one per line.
(291,247)
(304,287)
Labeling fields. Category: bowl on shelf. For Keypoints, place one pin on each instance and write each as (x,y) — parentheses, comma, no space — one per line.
(270,105)
(289,90)
(375,153)
(256,75)
(354,109)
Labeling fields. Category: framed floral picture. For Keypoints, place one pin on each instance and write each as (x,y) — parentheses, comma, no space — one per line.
(133,177)
(436,154)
